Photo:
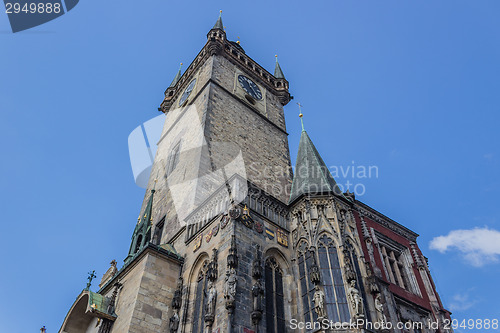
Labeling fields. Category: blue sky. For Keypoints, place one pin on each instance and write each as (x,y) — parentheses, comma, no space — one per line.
(408,87)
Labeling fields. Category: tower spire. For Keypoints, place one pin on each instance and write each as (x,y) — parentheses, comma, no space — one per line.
(218,24)
(142,232)
(278,73)
(311,174)
(177,77)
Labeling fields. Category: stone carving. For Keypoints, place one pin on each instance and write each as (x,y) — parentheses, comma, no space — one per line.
(257,289)
(109,273)
(319,302)
(379,307)
(371,279)
(257,264)
(211,297)
(112,301)
(257,292)
(314,273)
(355,299)
(177,300)
(232,258)
(348,266)
(212,267)
(230,288)
(174,322)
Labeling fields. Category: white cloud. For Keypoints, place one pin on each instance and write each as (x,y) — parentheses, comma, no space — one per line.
(489,156)
(479,246)
(462,302)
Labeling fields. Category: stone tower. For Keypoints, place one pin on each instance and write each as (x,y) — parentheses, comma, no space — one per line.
(228,241)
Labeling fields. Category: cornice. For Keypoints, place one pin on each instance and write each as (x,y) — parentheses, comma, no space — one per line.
(385,221)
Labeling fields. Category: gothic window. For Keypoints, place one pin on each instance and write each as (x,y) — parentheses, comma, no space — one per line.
(394,266)
(305,262)
(332,281)
(173,159)
(275,308)
(138,244)
(199,300)
(158,231)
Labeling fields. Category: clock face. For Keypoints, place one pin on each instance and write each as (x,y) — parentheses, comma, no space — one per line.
(250,87)
(187,92)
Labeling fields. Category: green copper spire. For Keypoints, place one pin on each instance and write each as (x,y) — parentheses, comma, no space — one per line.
(142,232)
(176,78)
(218,24)
(278,73)
(311,174)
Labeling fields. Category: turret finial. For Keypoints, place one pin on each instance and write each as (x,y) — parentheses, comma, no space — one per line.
(300,116)
(278,73)
(218,24)
(177,77)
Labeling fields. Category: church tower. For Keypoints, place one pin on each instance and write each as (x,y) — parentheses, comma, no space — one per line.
(228,240)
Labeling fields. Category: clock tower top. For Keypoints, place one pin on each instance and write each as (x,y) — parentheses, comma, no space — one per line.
(218,44)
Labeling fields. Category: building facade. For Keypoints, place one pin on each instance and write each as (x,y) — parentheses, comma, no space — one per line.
(230,240)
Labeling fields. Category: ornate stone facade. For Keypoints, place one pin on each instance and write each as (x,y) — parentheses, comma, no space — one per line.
(263,249)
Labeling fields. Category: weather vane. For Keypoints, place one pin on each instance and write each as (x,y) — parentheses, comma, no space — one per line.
(90,278)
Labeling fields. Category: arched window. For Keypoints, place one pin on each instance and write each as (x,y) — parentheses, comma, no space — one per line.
(199,309)
(173,159)
(138,244)
(332,281)
(275,308)
(305,262)
(158,231)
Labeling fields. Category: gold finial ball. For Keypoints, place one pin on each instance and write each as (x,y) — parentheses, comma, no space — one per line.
(276,55)
(181,63)
(220,11)
(301,115)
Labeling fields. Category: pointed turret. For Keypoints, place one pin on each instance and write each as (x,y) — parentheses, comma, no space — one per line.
(311,173)
(142,231)
(278,73)
(176,78)
(218,24)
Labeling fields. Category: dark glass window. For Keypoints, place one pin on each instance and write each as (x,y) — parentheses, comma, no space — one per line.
(333,282)
(138,244)
(305,261)
(199,309)
(275,308)
(158,231)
